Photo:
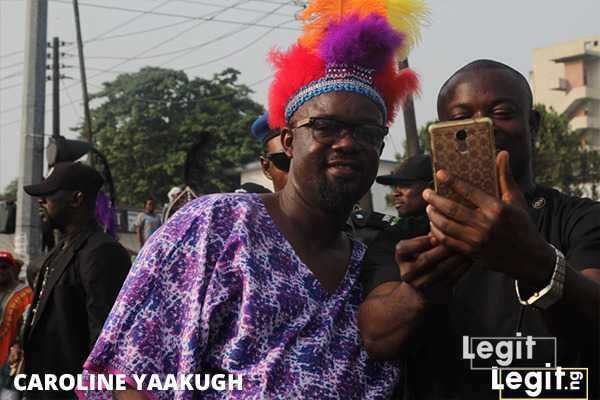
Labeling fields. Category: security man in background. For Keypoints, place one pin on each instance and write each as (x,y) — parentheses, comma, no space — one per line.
(408,180)
(79,280)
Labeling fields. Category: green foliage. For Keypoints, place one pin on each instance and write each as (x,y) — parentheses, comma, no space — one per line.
(561,159)
(150,119)
(10,191)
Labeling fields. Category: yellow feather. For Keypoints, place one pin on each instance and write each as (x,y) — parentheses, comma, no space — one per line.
(407,16)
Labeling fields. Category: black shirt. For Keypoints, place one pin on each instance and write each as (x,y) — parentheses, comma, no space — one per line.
(485,304)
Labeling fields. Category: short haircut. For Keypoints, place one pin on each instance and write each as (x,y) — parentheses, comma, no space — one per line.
(483,64)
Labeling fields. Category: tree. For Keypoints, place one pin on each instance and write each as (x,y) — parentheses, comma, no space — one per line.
(561,158)
(150,119)
(10,191)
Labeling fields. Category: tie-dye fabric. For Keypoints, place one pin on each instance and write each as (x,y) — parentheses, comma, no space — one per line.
(218,288)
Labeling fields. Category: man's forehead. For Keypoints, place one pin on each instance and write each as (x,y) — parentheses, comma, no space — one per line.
(485,84)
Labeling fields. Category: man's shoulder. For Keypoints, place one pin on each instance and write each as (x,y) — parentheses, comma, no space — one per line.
(557,202)
(100,241)
(372,219)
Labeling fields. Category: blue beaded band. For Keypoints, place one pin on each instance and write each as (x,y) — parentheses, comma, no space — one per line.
(338,78)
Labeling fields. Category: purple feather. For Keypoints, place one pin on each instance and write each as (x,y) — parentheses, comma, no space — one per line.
(369,42)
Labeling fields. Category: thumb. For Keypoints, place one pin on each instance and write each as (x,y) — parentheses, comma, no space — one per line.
(509,189)
(506,181)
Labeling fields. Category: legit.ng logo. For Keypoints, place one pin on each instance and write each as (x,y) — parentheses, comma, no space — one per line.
(525,368)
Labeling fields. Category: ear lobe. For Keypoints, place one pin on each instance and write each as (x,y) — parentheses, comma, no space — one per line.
(77,199)
(287,141)
(534,123)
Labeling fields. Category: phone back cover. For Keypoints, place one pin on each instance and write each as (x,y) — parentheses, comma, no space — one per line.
(475,165)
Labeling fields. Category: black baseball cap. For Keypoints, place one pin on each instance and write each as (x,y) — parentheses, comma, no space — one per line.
(413,169)
(67,176)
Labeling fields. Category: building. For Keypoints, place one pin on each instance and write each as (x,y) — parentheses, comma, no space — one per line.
(252,172)
(566,77)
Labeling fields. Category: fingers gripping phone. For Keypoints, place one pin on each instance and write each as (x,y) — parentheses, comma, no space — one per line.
(466,150)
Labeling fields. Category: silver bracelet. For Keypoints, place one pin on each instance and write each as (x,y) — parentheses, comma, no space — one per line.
(553,292)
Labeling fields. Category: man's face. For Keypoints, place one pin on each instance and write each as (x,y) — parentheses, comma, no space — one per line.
(333,176)
(278,176)
(55,208)
(408,199)
(499,95)
(149,206)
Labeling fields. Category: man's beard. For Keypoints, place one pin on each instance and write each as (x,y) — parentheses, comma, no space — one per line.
(340,196)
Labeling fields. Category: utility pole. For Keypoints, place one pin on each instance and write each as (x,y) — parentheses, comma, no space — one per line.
(55,88)
(86,99)
(410,121)
(28,235)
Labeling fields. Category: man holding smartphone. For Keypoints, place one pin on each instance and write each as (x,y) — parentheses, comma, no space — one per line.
(528,262)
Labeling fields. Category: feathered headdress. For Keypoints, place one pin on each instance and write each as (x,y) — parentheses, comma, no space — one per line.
(347,45)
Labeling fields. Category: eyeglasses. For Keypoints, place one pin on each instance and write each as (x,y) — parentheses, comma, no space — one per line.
(280,160)
(328,131)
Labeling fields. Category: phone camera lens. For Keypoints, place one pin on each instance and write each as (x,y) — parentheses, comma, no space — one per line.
(461,135)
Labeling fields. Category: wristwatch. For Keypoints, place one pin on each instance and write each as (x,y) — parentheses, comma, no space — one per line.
(553,292)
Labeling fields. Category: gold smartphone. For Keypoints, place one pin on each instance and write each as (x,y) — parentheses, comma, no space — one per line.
(466,150)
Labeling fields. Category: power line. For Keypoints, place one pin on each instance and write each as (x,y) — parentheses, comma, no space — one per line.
(121,35)
(224,21)
(265,15)
(10,86)
(250,10)
(250,85)
(122,24)
(12,65)
(72,103)
(138,56)
(234,52)
(13,53)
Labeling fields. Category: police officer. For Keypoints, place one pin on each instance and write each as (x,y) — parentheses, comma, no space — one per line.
(408,181)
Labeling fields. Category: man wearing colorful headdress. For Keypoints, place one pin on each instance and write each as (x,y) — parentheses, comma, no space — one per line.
(266,286)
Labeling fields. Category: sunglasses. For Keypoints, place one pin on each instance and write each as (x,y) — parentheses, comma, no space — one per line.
(280,160)
(328,131)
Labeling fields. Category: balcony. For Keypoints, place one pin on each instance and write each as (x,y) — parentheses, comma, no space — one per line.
(584,122)
(575,97)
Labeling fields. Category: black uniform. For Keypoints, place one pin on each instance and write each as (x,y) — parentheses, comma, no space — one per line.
(485,304)
(73,295)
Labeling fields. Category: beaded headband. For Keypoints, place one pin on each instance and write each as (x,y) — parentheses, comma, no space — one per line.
(339,78)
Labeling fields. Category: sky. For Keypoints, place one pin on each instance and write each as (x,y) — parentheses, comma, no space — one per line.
(203,37)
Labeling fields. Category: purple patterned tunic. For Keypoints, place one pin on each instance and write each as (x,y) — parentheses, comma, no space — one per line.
(219,287)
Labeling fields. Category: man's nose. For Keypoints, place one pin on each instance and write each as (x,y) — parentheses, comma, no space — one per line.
(345,139)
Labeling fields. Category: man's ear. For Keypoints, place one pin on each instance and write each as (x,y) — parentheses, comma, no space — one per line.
(77,199)
(287,141)
(264,163)
(535,120)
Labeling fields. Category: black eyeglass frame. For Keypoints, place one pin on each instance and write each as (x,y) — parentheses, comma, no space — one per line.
(345,126)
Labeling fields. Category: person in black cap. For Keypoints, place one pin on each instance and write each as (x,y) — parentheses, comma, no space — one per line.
(274,162)
(79,280)
(408,181)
